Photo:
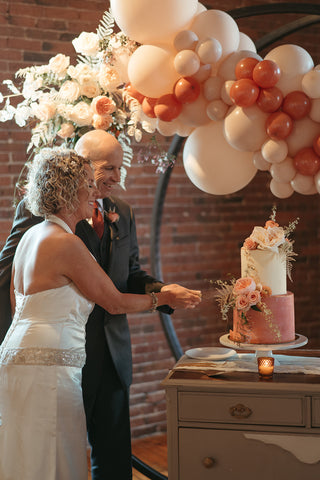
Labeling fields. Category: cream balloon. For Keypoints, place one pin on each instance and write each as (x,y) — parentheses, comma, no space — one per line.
(203,73)
(281,189)
(284,171)
(185,40)
(302,135)
(153,24)
(219,25)
(294,62)
(228,66)
(201,8)
(212,88)
(314,113)
(311,83)
(151,70)
(246,43)
(186,63)
(217,110)
(317,181)
(225,92)
(195,114)
(244,128)
(167,129)
(183,130)
(259,162)
(304,184)
(209,50)
(212,165)
(274,151)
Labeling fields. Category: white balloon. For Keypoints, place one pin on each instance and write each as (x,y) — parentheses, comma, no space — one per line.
(314,113)
(246,43)
(284,171)
(220,25)
(209,50)
(151,70)
(244,128)
(259,162)
(225,92)
(294,62)
(186,63)
(217,110)
(212,165)
(195,114)
(304,184)
(156,24)
(203,73)
(302,135)
(212,88)
(185,40)
(201,8)
(167,129)
(281,189)
(184,130)
(227,67)
(274,151)
(311,83)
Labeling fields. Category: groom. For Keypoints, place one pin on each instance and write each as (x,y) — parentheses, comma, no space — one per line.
(107,374)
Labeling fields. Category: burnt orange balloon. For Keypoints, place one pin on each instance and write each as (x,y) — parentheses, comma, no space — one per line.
(270,99)
(167,107)
(148,104)
(307,162)
(244,92)
(187,90)
(134,93)
(266,73)
(279,125)
(244,67)
(296,104)
(316,145)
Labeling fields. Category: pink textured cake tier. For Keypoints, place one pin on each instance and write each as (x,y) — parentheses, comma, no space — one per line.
(277,326)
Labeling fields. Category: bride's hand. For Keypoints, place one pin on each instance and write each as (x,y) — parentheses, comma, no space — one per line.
(181,297)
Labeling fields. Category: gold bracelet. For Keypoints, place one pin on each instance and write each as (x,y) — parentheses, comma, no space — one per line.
(154,302)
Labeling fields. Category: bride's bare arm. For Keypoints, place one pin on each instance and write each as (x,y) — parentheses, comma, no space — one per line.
(79,265)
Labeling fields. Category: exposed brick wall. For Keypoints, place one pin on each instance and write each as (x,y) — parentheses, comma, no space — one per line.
(200,235)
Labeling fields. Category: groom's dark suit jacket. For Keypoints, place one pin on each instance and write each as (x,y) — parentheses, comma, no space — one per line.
(118,254)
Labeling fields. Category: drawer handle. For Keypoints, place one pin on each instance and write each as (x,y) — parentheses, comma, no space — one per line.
(240,411)
(208,462)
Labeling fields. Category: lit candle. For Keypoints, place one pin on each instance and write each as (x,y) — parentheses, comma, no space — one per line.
(265,366)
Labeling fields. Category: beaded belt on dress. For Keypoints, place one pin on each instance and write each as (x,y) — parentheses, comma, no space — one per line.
(42,356)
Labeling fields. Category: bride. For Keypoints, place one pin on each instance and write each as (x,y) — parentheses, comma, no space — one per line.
(55,284)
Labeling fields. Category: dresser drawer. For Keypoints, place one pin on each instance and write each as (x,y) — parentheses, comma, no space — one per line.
(241,409)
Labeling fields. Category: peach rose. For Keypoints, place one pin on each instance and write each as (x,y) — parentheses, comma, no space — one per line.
(103,105)
(244,285)
(66,130)
(242,302)
(271,223)
(254,297)
(45,110)
(250,244)
(100,122)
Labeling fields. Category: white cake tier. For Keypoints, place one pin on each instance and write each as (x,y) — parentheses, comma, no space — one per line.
(265,267)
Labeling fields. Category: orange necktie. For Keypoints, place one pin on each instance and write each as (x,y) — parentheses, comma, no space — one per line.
(97,220)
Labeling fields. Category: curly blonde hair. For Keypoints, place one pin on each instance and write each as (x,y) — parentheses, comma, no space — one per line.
(54,178)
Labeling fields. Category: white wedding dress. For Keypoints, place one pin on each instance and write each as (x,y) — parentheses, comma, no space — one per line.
(42,421)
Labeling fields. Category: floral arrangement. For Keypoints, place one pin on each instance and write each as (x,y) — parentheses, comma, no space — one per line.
(61,101)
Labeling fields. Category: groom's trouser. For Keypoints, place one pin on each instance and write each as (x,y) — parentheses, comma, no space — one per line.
(108,424)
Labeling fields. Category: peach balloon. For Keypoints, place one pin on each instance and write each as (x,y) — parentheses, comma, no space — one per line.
(245,43)
(186,63)
(279,125)
(212,88)
(244,92)
(307,162)
(316,144)
(227,68)
(304,184)
(167,107)
(151,70)
(259,162)
(212,165)
(219,25)
(209,50)
(203,73)
(269,99)
(266,73)
(274,151)
(294,62)
(148,105)
(217,110)
(244,128)
(156,24)
(195,114)
(311,83)
(185,40)
(302,135)
(187,90)
(314,113)
(281,189)
(244,68)
(296,104)
(284,171)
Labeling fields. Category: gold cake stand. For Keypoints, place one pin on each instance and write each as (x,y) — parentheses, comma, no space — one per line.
(264,350)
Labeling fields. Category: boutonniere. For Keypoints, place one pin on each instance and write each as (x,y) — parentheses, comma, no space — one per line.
(112,215)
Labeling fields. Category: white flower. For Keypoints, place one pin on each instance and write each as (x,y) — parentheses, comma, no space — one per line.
(70,91)
(86,43)
(80,114)
(90,89)
(59,64)
(44,110)
(22,113)
(268,238)
(66,130)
